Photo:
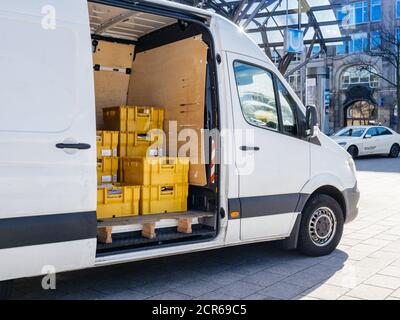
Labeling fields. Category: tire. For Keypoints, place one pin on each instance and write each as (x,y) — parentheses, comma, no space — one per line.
(353,151)
(324,213)
(394,151)
(6,289)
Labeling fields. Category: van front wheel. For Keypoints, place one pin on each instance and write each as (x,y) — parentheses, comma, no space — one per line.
(321,226)
(6,289)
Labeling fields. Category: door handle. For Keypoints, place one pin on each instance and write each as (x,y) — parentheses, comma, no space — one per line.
(247,148)
(79,146)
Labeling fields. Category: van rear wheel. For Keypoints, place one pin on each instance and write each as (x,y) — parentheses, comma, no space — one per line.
(6,289)
(321,226)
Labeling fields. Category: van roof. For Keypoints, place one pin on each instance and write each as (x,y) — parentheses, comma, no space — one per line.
(197,11)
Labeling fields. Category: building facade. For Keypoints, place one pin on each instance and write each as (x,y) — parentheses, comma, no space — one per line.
(347,84)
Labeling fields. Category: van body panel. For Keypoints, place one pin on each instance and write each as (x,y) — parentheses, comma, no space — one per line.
(57,106)
(46,259)
(330,165)
(40,10)
(47,95)
(274,226)
(233,39)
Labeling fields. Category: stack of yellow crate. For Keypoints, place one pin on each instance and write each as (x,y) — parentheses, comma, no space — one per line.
(113,200)
(134,124)
(163,180)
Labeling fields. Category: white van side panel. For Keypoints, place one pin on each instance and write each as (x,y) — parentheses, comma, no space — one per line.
(279,226)
(49,258)
(48,194)
(47,97)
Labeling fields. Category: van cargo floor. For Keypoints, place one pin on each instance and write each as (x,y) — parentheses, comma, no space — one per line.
(165,236)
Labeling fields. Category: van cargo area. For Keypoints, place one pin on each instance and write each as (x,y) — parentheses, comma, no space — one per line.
(152,72)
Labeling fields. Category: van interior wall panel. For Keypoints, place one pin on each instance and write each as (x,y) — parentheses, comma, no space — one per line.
(173,77)
(111,87)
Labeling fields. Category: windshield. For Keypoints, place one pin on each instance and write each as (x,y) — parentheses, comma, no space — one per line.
(352,132)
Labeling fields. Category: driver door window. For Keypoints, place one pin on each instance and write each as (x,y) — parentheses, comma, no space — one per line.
(257,96)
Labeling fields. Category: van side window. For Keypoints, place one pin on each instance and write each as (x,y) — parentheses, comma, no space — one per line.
(257,96)
(288,109)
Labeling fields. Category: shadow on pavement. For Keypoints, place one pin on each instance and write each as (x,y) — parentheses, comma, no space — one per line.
(256,271)
(378,164)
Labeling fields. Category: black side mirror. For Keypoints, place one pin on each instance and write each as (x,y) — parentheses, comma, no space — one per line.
(311,121)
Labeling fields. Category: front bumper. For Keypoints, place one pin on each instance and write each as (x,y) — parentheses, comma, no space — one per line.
(352,197)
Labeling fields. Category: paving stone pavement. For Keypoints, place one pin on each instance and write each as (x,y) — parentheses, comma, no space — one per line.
(366,264)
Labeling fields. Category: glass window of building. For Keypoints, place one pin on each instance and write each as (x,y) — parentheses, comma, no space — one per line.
(295,80)
(376,40)
(376,10)
(342,13)
(398,9)
(355,75)
(341,48)
(354,13)
(358,42)
(360,12)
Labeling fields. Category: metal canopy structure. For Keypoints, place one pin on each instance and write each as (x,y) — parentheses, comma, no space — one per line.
(266,20)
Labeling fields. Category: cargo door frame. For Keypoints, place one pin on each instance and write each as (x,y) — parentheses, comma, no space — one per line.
(203,23)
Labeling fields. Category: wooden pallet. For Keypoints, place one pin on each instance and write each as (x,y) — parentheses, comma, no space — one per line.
(148,222)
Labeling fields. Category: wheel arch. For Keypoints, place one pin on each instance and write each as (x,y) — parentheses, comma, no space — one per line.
(291,242)
(334,193)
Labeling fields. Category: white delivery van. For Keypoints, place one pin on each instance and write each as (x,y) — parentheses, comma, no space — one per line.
(63,61)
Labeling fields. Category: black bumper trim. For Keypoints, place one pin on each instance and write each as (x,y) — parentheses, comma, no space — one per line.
(351,197)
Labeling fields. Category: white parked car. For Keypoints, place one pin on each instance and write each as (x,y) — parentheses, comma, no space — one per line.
(369,140)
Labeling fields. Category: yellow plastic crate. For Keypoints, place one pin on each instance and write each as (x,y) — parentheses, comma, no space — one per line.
(107,169)
(117,202)
(133,118)
(107,143)
(163,198)
(137,144)
(155,170)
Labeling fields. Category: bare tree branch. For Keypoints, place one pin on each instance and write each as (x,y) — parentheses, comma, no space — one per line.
(368,69)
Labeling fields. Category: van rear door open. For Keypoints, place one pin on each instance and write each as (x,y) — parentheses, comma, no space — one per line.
(47,138)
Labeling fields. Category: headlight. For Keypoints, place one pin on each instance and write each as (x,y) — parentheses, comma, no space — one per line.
(351,165)
(342,144)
